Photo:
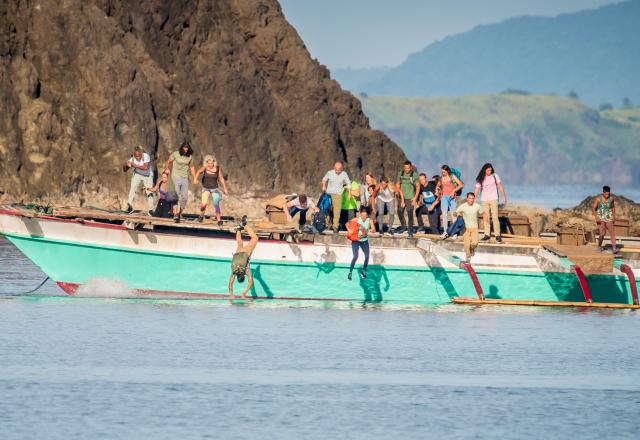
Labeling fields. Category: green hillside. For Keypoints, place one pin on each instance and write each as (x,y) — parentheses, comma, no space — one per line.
(529,139)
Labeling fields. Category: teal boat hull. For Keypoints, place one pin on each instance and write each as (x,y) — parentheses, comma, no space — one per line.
(152,273)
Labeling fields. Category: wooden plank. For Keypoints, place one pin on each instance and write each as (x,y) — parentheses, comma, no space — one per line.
(520,302)
(88,214)
(554,251)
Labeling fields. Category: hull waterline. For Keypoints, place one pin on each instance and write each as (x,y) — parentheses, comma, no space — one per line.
(152,264)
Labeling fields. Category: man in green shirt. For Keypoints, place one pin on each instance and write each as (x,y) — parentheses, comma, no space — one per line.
(350,197)
(469,212)
(409,188)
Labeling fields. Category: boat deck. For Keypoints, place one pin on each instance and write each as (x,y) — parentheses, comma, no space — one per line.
(512,244)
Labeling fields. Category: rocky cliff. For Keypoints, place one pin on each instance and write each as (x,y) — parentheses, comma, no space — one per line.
(82,81)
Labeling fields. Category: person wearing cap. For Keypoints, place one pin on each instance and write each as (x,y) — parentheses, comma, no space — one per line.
(140,162)
(212,180)
(180,163)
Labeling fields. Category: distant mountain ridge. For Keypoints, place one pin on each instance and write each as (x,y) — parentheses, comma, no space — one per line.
(537,140)
(595,53)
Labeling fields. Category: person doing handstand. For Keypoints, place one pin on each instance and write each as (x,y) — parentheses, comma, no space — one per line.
(240,261)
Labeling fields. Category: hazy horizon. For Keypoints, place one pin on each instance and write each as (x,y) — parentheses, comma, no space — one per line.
(376,33)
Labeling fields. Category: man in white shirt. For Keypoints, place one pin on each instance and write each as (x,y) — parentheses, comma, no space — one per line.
(334,184)
(301,204)
(140,162)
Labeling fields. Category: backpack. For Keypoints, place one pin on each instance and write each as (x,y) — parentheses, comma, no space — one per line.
(318,222)
(324,204)
(456,227)
(456,172)
(352,229)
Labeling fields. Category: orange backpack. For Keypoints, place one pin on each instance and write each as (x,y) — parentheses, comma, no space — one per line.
(352,229)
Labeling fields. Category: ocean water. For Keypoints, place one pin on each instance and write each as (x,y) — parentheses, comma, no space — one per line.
(111,368)
(560,196)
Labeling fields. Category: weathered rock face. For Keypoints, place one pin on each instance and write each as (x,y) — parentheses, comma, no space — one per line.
(549,221)
(82,81)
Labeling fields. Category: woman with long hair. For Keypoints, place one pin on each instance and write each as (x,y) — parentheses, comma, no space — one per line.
(449,185)
(488,183)
(365,195)
(212,179)
(167,197)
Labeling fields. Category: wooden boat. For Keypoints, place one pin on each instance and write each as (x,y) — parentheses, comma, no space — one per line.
(154,257)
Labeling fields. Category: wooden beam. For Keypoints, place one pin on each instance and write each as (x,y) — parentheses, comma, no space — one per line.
(524,302)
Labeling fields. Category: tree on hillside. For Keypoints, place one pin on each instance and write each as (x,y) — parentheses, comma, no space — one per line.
(573,94)
(605,106)
(626,103)
(515,92)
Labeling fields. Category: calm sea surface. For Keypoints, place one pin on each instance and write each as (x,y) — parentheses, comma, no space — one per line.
(92,368)
(560,196)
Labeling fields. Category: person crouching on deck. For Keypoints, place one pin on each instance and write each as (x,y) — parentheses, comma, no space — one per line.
(240,262)
(212,179)
(469,212)
(300,204)
(142,173)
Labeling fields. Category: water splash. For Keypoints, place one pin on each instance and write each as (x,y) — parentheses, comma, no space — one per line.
(105,288)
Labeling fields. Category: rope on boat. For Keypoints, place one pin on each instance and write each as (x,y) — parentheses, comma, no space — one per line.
(30,291)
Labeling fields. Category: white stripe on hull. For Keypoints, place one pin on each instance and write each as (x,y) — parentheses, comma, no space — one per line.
(201,246)
(277,251)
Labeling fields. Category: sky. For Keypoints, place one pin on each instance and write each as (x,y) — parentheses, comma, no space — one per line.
(373,33)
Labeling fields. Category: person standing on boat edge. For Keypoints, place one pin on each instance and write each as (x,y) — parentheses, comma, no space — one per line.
(333,183)
(180,163)
(488,183)
(361,241)
(385,199)
(365,194)
(349,206)
(469,212)
(449,185)
(240,267)
(212,179)
(409,190)
(142,174)
(604,211)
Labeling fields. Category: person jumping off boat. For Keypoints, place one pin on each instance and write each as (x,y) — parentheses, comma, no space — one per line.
(604,211)
(240,268)
(180,163)
(469,212)
(212,179)
(142,173)
(360,240)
